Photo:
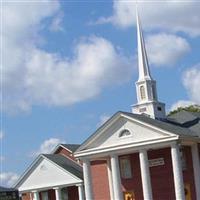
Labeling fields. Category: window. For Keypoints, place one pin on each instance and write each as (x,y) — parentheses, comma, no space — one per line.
(125,167)
(64,194)
(144,109)
(124,133)
(159,108)
(44,195)
(142,92)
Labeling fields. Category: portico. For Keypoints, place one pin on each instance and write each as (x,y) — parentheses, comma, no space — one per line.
(53,177)
(112,146)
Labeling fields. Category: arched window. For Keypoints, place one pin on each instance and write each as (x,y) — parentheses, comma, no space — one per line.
(142,92)
(124,133)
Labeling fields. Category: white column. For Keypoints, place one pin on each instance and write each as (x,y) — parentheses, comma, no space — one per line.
(58,193)
(196,167)
(87,180)
(116,178)
(145,174)
(80,191)
(36,195)
(110,179)
(177,171)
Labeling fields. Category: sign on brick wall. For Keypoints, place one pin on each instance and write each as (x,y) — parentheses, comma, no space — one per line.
(156,162)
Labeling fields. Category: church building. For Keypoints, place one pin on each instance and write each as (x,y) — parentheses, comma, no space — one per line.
(55,176)
(143,154)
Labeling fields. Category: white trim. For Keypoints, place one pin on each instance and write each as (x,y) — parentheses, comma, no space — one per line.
(49,187)
(117,191)
(63,169)
(177,172)
(27,171)
(113,120)
(159,143)
(87,179)
(34,165)
(110,181)
(145,175)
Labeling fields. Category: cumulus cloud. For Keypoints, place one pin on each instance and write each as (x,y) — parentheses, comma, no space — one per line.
(170,15)
(191,81)
(8,179)
(36,77)
(47,146)
(102,119)
(166,49)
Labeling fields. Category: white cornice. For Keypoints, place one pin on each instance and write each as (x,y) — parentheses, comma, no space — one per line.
(127,148)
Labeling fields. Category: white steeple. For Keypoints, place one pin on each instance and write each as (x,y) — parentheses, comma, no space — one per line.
(145,86)
(144,72)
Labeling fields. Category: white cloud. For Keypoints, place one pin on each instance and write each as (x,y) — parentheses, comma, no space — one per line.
(191,81)
(102,119)
(166,49)
(8,179)
(181,103)
(47,146)
(168,15)
(36,77)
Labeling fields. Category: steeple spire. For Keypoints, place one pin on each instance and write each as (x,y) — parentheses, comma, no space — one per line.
(145,86)
(144,72)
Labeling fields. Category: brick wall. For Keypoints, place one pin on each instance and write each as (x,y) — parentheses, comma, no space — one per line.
(188,173)
(100,181)
(161,176)
(73,193)
(134,184)
(65,152)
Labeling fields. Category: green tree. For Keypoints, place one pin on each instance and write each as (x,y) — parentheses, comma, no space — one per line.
(192,108)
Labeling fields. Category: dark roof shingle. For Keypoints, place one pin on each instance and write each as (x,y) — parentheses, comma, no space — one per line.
(65,163)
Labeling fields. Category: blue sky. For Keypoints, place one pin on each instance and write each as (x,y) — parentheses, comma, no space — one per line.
(69,65)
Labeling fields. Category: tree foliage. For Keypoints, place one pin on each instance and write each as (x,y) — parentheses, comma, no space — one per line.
(192,108)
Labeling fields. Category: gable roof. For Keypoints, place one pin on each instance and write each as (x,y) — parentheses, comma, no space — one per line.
(71,147)
(166,125)
(169,125)
(66,164)
(62,161)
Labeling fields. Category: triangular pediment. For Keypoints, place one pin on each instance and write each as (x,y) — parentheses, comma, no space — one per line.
(109,135)
(46,174)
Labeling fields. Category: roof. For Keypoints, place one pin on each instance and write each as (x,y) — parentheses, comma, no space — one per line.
(71,147)
(175,124)
(4,189)
(66,164)
(183,117)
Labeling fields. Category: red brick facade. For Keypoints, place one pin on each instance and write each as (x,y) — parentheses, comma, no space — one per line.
(161,176)
(65,152)
(100,181)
